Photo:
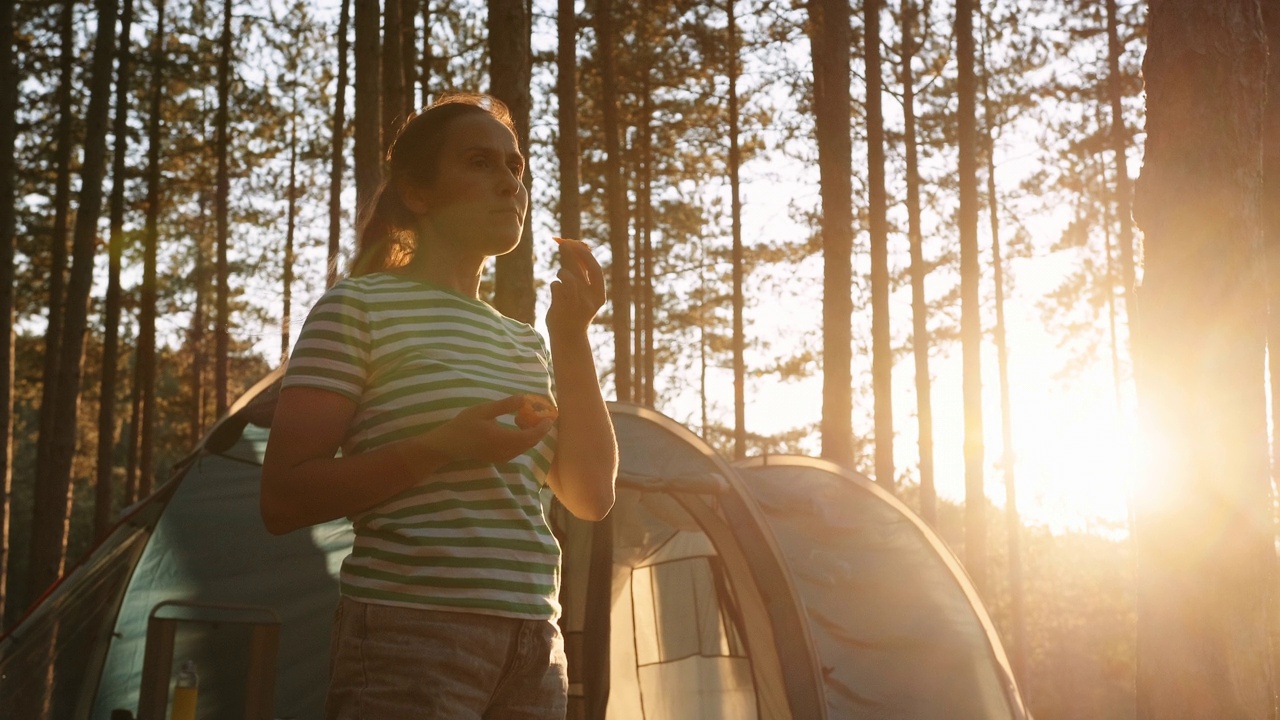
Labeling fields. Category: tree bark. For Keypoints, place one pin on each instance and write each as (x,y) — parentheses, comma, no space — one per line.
(1203,527)
(393,108)
(291,220)
(45,511)
(368,110)
(428,55)
(509,77)
(1120,148)
(146,363)
(49,538)
(877,206)
(337,161)
(1013,526)
(199,322)
(644,239)
(975,500)
(8,224)
(222,209)
(567,95)
(920,338)
(1271,243)
(735,212)
(409,53)
(616,201)
(829,37)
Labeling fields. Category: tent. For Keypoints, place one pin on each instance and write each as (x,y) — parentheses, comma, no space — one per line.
(780,588)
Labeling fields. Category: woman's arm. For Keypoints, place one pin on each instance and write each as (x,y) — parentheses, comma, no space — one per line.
(304,484)
(586,463)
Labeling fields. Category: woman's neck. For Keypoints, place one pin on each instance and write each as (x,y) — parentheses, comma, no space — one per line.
(461,275)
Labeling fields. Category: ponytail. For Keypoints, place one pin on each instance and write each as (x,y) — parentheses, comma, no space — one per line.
(388,236)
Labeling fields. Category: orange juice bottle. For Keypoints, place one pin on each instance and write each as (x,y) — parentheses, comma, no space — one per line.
(184,693)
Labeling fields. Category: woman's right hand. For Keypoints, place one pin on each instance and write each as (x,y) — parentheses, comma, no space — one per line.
(475,434)
(304,484)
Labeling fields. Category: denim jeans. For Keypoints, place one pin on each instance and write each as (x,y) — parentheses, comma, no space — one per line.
(394,663)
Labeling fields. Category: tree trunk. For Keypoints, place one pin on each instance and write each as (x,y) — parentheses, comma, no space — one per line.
(134,449)
(46,505)
(567,95)
(644,242)
(222,318)
(1203,527)
(368,115)
(829,37)
(146,363)
(286,312)
(8,172)
(49,542)
(735,212)
(409,53)
(393,113)
(337,161)
(920,340)
(199,321)
(1120,148)
(428,56)
(509,77)
(881,341)
(1271,243)
(616,202)
(1013,526)
(975,500)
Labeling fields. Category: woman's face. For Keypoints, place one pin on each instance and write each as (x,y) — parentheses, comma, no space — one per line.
(477,202)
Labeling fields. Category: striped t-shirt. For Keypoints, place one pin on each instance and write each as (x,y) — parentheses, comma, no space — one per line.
(472,537)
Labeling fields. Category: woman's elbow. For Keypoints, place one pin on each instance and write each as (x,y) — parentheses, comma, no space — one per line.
(593,507)
(275,515)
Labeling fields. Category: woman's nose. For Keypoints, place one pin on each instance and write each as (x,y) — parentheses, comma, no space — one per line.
(511,183)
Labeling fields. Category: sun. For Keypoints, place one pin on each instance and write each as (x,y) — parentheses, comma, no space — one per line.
(1076,453)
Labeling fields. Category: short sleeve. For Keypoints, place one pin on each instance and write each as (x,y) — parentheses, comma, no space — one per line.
(332,352)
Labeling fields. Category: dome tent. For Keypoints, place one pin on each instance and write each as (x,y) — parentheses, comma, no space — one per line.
(788,589)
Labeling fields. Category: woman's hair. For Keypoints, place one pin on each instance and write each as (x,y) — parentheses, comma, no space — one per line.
(387,237)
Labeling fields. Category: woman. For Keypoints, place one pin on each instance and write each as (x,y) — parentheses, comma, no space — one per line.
(449,596)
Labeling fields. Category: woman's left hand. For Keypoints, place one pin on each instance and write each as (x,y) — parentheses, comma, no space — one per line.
(578,291)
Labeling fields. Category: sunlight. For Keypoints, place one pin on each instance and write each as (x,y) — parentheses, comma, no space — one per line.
(1076,461)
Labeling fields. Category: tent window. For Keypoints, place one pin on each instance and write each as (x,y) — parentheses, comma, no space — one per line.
(688,596)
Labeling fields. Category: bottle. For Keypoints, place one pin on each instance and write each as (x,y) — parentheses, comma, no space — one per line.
(184,692)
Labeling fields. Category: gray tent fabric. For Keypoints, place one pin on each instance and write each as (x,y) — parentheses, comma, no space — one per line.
(777,592)
(898,625)
(210,546)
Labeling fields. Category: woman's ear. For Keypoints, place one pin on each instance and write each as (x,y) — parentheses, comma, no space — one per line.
(414,197)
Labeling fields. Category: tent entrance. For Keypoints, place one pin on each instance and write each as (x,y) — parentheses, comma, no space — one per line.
(231,645)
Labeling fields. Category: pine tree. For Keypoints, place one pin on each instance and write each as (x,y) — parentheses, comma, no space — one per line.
(222,210)
(145,365)
(567,116)
(829,35)
(48,528)
(970,318)
(8,132)
(368,119)
(877,204)
(337,158)
(393,107)
(1204,530)
(510,74)
(616,201)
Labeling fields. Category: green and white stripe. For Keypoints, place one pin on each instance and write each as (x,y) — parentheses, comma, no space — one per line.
(411,355)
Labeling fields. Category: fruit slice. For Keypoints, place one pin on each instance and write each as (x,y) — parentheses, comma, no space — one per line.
(535,409)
